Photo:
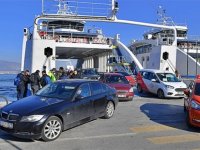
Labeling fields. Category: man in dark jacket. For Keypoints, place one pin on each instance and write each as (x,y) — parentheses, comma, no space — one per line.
(22,85)
(35,81)
(26,82)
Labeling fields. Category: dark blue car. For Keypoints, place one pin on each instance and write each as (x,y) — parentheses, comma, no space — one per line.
(57,107)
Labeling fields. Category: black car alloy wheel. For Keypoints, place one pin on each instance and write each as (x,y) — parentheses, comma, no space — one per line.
(52,129)
(109,111)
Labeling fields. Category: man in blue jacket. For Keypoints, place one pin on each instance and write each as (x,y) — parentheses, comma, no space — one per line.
(45,79)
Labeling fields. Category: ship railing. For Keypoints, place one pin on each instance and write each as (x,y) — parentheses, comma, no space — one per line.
(72,34)
(191,42)
(168,35)
(79,7)
(80,28)
(72,38)
(188,46)
(182,35)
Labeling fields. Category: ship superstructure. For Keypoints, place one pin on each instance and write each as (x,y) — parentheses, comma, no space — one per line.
(160,49)
(55,38)
(64,35)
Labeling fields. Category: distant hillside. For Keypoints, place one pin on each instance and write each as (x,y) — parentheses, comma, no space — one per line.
(6,66)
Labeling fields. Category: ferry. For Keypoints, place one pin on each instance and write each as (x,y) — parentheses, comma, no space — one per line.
(64,36)
(163,49)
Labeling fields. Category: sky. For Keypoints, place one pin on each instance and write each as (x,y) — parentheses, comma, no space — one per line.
(18,14)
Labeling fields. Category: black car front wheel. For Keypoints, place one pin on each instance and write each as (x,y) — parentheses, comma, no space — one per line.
(52,129)
(109,111)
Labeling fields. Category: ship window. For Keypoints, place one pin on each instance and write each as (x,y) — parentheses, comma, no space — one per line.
(143,59)
(147,58)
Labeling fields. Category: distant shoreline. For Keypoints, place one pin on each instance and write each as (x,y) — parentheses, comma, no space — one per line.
(9,72)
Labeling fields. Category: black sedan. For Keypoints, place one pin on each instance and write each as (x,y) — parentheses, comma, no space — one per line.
(57,107)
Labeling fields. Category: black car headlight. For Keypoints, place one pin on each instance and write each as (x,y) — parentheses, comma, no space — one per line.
(32,118)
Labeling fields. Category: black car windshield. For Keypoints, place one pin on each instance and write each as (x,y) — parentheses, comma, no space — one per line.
(90,72)
(116,79)
(197,89)
(58,90)
(167,77)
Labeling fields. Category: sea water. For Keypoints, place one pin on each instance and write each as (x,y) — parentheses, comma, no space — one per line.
(7,87)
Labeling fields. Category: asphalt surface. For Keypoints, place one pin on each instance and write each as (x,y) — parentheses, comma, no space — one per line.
(146,123)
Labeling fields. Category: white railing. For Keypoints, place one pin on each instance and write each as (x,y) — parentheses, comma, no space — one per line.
(73,38)
(72,34)
(78,7)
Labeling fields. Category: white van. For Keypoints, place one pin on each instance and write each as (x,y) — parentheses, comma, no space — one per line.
(162,83)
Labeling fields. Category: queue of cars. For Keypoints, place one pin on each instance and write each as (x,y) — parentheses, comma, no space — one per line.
(64,104)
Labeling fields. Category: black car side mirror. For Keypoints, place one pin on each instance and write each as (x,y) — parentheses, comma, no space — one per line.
(79,97)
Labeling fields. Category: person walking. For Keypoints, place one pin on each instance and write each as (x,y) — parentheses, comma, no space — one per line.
(45,79)
(35,81)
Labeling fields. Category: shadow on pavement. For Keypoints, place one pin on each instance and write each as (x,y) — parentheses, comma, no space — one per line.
(11,140)
(6,136)
(167,114)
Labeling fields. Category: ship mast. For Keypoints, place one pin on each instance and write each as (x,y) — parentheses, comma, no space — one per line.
(163,19)
(63,8)
(42,7)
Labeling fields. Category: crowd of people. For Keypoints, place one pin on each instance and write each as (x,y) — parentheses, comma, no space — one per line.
(36,82)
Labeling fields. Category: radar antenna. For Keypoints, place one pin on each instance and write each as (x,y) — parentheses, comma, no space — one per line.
(163,19)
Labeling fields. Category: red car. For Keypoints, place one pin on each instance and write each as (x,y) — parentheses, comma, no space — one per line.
(120,83)
(192,103)
(129,77)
